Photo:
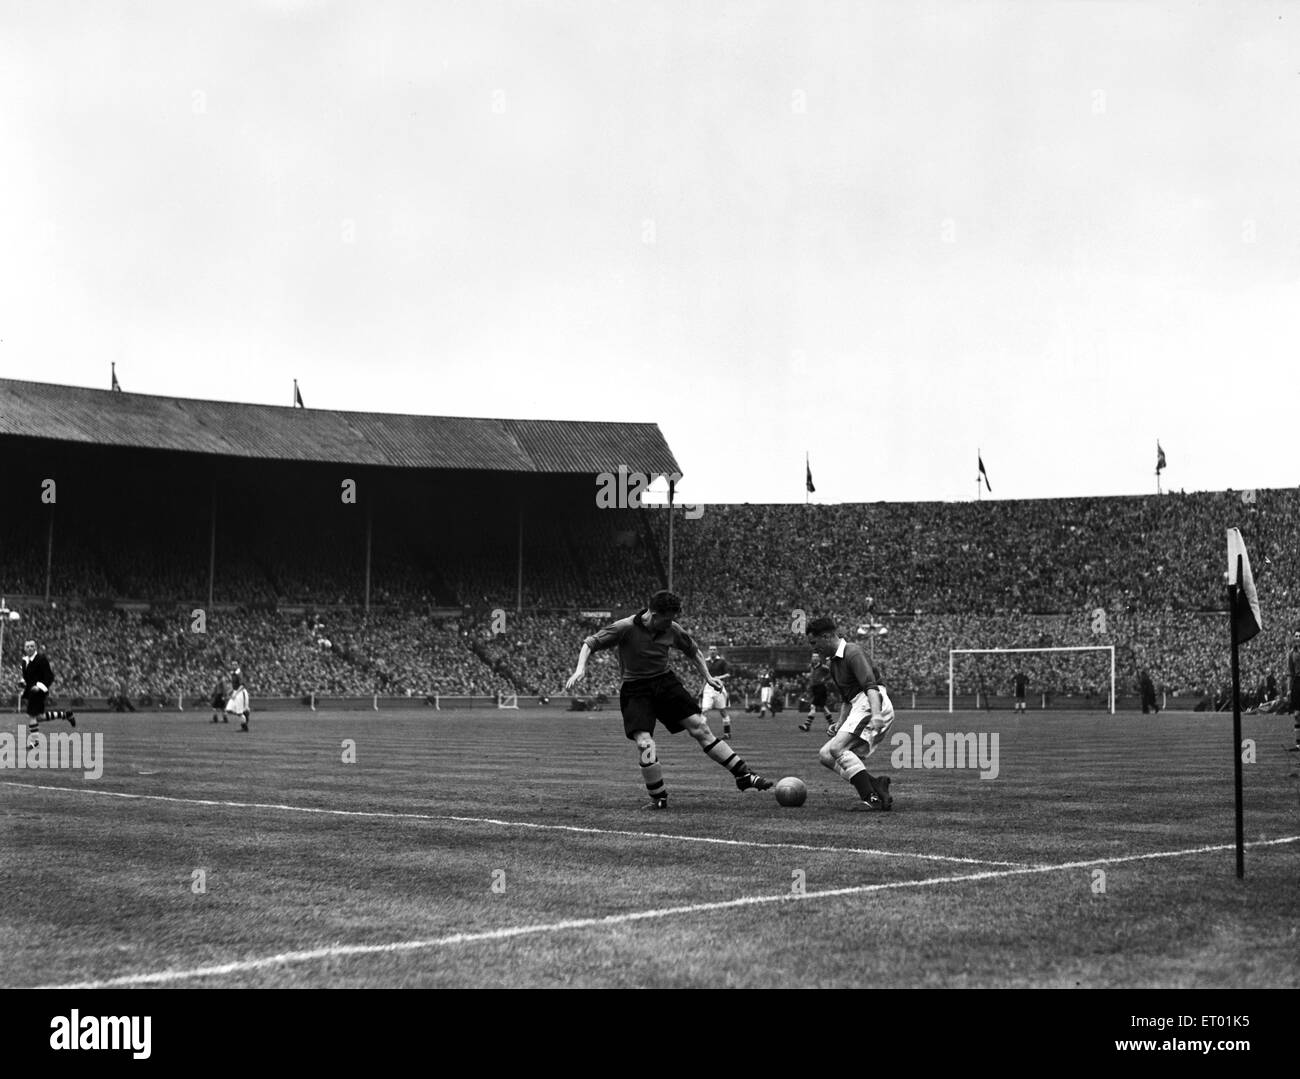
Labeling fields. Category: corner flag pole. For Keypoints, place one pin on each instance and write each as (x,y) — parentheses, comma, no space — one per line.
(1234,596)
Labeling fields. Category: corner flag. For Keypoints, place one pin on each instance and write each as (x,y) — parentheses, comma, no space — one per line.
(1246,617)
(1244,623)
(984,474)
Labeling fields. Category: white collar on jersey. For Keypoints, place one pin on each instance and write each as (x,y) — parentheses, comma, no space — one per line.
(839,652)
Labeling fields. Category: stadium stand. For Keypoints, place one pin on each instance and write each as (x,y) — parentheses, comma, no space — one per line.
(400,593)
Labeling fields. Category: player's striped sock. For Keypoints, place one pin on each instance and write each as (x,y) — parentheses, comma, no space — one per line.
(59,714)
(653,774)
(719,751)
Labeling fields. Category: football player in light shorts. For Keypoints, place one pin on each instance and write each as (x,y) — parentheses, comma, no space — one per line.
(865,716)
(716,698)
(238,704)
(765,694)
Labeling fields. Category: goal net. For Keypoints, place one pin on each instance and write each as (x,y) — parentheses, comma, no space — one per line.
(1080,676)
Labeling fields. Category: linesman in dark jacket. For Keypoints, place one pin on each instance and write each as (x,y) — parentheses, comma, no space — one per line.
(38,677)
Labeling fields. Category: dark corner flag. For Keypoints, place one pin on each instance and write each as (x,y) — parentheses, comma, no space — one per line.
(1244,623)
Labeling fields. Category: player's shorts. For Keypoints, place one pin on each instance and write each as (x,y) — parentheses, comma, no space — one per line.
(35,703)
(661,698)
(871,730)
(765,694)
(819,696)
(713,698)
(219,701)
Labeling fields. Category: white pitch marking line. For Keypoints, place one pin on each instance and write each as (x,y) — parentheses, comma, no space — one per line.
(390,815)
(342,950)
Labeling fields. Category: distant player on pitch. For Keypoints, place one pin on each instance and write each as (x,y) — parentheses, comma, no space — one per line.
(652,692)
(38,676)
(865,715)
(818,671)
(237,705)
(219,699)
(765,685)
(716,698)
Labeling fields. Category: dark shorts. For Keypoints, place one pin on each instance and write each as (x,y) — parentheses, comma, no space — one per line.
(661,698)
(35,703)
(218,701)
(819,696)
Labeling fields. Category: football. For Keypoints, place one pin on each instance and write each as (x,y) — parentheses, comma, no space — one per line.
(791,791)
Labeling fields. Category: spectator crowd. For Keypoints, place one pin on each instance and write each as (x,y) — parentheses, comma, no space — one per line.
(1145,575)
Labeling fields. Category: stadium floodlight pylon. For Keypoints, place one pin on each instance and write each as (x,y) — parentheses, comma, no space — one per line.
(1003,651)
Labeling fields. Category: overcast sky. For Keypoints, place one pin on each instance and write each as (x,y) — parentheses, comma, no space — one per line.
(890,234)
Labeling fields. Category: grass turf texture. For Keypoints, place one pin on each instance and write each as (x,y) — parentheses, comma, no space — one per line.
(96,887)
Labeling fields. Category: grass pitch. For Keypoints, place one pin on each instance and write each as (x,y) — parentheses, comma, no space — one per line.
(491,849)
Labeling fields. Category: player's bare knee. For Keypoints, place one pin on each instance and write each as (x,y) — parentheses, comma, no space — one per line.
(698,728)
(826,756)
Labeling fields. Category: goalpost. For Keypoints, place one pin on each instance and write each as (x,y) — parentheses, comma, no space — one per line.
(1004,651)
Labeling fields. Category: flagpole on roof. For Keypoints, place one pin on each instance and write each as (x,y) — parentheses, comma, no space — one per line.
(979,457)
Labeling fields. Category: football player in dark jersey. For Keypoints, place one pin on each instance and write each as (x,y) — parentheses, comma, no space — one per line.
(652,693)
(818,672)
(716,698)
(866,715)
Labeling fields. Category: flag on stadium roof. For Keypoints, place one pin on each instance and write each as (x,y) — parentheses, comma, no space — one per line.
(297,396)
(1160,456)
(983,474)
(808,483)
(1246,616)
(116,387)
